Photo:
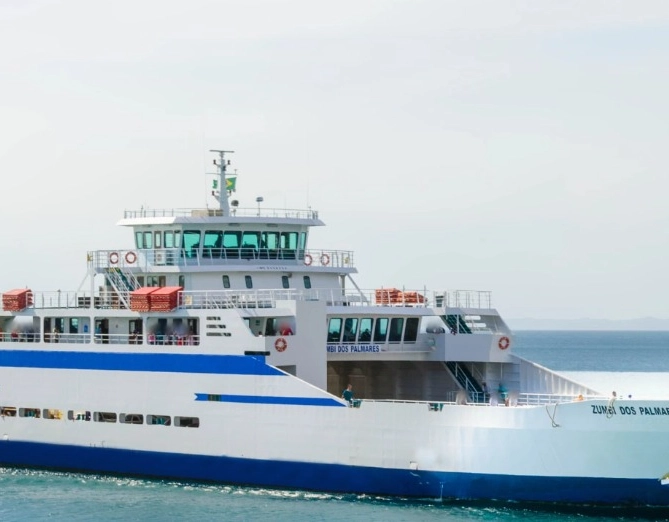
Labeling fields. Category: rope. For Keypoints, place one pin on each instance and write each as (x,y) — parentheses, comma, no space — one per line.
(552,417)
(609,408)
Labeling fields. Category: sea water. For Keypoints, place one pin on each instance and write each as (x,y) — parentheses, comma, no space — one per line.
(41,495)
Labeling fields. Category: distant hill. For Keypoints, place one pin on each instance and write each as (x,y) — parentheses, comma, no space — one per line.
(641,323)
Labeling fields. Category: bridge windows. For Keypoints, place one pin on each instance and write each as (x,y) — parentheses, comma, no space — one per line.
(285,281)
(213,244)
(365,330)
(396,327)
(411,330)
(350,329)
(381,330)
(231,244)
(191,243)
(334,330)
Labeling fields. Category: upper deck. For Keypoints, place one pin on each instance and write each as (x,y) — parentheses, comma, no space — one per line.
(270,216)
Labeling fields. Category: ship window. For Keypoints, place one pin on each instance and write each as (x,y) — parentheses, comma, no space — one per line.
(226,281)
(396,326)
(270,326)
(365,330)
(250,244)
(139,240)
(187,422)
(182,281)
(104,416)
(140,280)
(381,330)
(213,244)
(157,239)
(288,245)
(52,414)
(285,282)
(270,245)
(79,415)
(29,412)
(131,418)
(334,330)
(74,325)
(191,243)
(156,280)
(169,239)
(307,282)
(350,328)
(411,330)
(231,243)
(159,420)
(148,240)
(8,411)
(249,281)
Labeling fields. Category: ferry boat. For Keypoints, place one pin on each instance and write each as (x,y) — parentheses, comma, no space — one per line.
(217,347)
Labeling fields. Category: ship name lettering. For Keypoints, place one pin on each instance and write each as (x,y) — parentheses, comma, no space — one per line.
(645,410)
(350,348)
(598,409)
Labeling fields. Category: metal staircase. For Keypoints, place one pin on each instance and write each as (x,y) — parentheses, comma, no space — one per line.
(123,283)
(466,381)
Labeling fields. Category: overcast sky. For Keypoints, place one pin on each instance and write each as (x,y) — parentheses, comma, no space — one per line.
(512,146)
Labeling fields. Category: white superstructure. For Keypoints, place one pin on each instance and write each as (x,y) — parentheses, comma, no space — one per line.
(216,347)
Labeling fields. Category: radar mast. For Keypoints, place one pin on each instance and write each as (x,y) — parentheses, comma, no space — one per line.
(223,192)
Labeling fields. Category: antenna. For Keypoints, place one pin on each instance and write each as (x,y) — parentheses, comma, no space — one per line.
(222,194)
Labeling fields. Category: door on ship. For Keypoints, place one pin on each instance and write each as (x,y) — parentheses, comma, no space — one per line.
(102,331)
(135,331)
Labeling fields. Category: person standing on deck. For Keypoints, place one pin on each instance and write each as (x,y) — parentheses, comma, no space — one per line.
(347,394)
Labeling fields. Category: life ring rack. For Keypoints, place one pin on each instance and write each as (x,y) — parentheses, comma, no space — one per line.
(113,258)
(504,342)
(130,257)
(308,259)
(280,344)
(325,260)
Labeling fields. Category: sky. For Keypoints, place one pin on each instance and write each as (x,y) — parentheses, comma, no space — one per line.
(518,147)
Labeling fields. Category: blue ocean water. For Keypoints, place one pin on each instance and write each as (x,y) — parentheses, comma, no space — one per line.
(39,495)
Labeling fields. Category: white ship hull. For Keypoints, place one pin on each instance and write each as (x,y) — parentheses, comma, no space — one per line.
(271,429)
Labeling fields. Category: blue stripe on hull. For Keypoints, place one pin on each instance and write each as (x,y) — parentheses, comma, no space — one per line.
(266,399)
(138,362)
(334,477)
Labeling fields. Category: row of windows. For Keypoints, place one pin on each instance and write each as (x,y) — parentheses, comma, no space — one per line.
(219,243)
(369,329)
(100,416)
(285,281)
(161,281)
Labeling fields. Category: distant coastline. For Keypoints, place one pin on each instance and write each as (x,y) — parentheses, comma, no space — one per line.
(639,324)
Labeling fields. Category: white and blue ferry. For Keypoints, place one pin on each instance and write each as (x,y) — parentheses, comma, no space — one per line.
(216,346)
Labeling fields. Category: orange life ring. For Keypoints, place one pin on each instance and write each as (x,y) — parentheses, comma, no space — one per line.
(280,344)
(325,260)
(503,343)
(113,258)
(130,258)
(308,259)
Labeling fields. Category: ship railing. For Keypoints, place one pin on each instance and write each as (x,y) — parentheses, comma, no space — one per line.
(123,260)
(474,299)
(257,298)
(286,213)
(454,398)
